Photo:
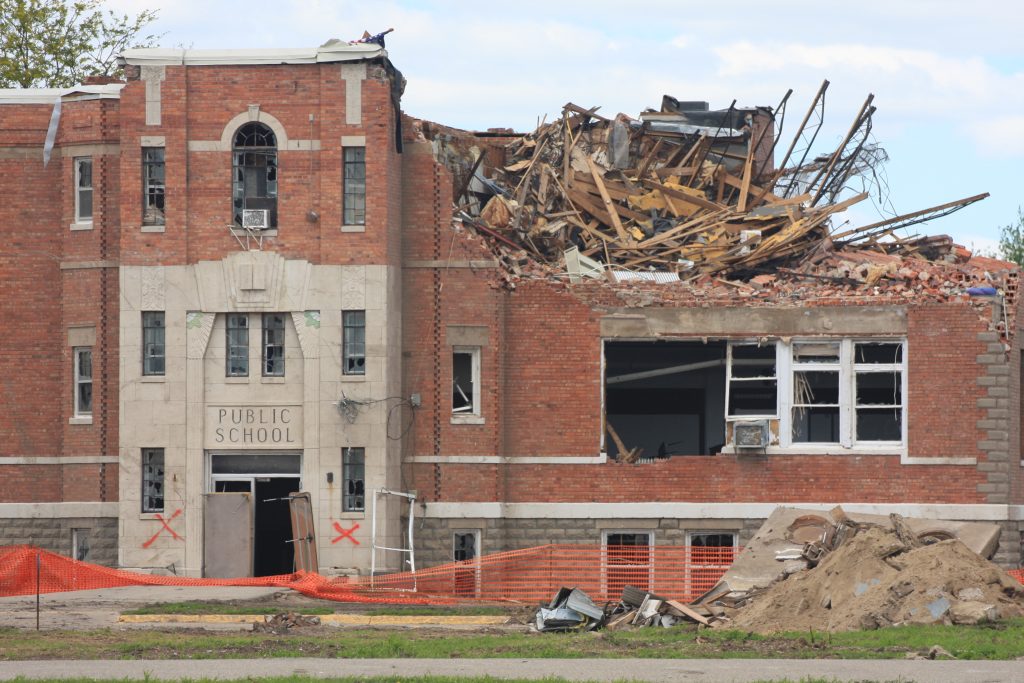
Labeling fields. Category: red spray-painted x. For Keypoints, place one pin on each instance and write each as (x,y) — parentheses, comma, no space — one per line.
(165,526)
(346,533)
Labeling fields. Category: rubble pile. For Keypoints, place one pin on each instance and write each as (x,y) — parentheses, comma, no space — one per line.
(875,577)
(690,194)
(283,623)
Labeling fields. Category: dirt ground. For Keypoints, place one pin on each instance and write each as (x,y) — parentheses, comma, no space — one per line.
(100,608)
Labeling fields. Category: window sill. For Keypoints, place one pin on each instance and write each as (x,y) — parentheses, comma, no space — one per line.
(272,380)
(145,516)
(239,232)
(818,449)
(353,228)
(353,378)
(153,379)
(468,420)
(153,228)
(236,380)
(81,225)
(353,514)
(80,420)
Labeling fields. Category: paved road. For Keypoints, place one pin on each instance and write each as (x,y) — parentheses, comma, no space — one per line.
(659,670)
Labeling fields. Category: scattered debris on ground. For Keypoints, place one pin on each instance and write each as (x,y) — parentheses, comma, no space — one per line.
(281,624)
(862,575)
(572,610)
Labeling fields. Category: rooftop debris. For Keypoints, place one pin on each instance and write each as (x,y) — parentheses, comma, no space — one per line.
(690,194)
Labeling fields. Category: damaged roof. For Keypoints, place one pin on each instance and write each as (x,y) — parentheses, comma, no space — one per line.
(686,206)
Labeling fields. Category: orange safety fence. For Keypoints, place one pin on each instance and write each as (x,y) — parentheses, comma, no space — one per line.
(536,574)
(56,573)
(529,575)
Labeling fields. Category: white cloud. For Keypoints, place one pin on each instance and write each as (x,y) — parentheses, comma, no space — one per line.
(681,41)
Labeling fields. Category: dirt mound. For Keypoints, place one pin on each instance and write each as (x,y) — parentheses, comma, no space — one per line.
(875,579)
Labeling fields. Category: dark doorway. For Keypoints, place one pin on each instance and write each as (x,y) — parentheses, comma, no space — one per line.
(273,553)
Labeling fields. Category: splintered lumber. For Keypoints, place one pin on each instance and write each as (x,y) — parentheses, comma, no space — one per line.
(701,201)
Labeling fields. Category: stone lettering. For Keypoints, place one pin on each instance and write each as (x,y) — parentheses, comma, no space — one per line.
(255,427)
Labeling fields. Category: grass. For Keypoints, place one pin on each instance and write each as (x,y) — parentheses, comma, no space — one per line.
(1002,641)
(207,607)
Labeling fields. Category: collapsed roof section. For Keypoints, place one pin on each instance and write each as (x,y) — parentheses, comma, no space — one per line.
(686,203)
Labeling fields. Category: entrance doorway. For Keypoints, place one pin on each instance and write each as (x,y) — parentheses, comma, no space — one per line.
(270,479)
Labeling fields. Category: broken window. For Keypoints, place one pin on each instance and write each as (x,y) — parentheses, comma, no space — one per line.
(353,353)
(237,345)
(80,544)
(153,334)
(83,381)
(83,189)
(273,345)
(465,544)
(710,553)
(847,392)
(627,560)
(753,386)
(465,380)
(353,466)
(354,198)
(664,398)
(152,480)
(255,174)
(878,373)
(152,185)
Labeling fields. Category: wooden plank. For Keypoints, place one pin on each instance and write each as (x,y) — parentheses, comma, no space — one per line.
(676,194)
(609,205)
(687,612)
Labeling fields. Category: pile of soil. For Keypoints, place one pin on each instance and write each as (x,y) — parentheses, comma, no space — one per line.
(875,580)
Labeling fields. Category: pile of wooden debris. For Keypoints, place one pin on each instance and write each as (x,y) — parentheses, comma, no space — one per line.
(687,192)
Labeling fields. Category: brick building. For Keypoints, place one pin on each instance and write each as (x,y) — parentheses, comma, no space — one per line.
(238,272)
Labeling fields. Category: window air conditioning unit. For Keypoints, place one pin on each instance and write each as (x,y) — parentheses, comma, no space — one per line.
(752,435)
(255,219)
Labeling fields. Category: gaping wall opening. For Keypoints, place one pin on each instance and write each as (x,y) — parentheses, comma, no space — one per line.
(666,398)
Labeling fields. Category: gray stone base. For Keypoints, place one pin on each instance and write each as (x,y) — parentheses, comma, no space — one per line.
(434,536)
(56,535)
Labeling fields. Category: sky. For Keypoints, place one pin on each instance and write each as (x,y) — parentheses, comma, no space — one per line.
(947,76)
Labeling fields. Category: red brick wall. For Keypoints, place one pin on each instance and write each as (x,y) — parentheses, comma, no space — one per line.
(197,102)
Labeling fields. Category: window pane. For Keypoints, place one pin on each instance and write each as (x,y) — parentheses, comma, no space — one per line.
(354,474)
(878,352)
(816,387)
(153,185)
(463,546)
(153,336)
(152,480)
(237,345)
(269,463)
(749,360)
(879,424)
(462,382)
(816,352)
(354,342)
(753,397)
(255,171)
(879,388)
(816,425)
(85,203)
(273,344)
(354,186)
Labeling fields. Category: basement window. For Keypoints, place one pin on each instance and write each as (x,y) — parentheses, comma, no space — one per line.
(626,560)
(80,546)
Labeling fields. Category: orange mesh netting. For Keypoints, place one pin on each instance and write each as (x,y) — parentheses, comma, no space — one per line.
(535,574)
(58,573)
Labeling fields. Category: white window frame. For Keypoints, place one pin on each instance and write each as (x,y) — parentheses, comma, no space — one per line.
(605,533)
(475,533)
(847,394)
(475,415)
(77,352)
(84,222)
(729,379)
(784,369)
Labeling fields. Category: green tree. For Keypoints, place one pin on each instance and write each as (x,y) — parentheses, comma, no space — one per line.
(1011,239)
(56,43)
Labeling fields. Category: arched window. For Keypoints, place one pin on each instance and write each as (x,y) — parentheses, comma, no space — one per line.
(255,172)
